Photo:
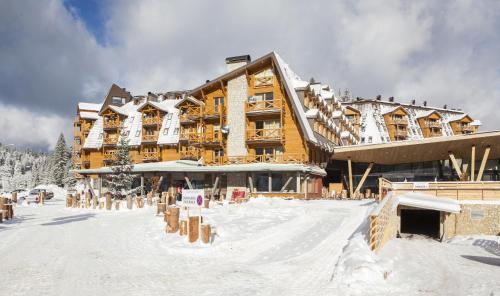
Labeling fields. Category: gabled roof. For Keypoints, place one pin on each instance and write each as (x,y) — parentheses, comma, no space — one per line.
(89,107)
(115,109)
(352,108)
(459,117)
(393,109)
(89,115)
(427,113)
(166,105)
(189,99)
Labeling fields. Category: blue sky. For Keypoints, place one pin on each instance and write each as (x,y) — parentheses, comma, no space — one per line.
(91,12)
(55,53)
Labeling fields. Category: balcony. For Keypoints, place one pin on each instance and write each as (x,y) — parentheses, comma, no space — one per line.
(432,124)
(191,154)
(467,129)
(214,111)
(354,120)
(110,141)
(401,133)
(151,121)
(151,156)
(264,135)
(109,155)
(111,124)
(263,107)
(398,121)
(190,115)
(151,138)
(212,137)
(189,136)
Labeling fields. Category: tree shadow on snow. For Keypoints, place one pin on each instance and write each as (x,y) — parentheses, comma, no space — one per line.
(68,219)
(486,260)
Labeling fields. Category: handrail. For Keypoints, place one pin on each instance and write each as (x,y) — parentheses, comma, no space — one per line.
(264,134)
(151,121)
(263,105)
(111,124)
(151,155)
(150,138)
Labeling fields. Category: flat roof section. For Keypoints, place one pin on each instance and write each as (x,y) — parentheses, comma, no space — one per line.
(429,149)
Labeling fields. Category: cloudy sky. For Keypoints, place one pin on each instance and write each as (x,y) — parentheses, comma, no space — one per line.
(55,53)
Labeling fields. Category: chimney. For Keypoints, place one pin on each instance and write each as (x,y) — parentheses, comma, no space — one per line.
(237,62)
(445,107)
(425,103)
(379,97)
(413,102)
(391,99)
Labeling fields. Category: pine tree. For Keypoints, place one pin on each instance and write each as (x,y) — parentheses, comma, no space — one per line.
(70,179)
(121,179)
(59,161)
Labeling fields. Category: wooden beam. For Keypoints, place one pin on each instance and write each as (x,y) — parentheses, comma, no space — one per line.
(286,184)
(188,182)
(455,164)
(473,162)
(349,166)
(363,179)
(483,163)
(214,188)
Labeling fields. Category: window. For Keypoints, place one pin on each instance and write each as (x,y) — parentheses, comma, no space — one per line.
(219,152)
(127,133)
(100,136)
(117,101)
(218,101)
(369,139)
(264,97)
(169,116)
(165,131)
(137,133)
(176,131)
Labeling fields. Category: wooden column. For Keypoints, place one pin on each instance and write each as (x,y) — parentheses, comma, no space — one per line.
(270,181)
(455,164)
(349,166)
(250,182)
(473,162)
(483,163)
(363,179)
(298,182)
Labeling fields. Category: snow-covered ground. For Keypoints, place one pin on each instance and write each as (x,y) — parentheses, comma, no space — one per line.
(263,247)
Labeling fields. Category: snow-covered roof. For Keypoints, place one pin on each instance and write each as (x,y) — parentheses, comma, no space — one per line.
(457,117)
(425,113)
(90,106)
(312,113)
(390,109)
(429,202)
(169,132)
(89,115)
(193,166)
(94,139)
(476,122)
(190,99)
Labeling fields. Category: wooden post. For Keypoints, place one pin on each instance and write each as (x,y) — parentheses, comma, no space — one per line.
(193,229)
(473,162)
(206,232)
(129,202)
(161,208)
(298,182)
(455,164)
(108,201)
(363,179)
(183,229)
(483,163)
(14,197)
(172,219)
(349,167)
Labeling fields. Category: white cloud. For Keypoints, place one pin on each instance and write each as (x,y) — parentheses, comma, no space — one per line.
(440,51)
(32,128)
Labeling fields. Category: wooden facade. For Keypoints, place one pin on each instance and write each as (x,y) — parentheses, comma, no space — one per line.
(397,124)
(463,125)
(431,125)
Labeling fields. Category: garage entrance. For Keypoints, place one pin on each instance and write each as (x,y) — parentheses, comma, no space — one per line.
(425,222)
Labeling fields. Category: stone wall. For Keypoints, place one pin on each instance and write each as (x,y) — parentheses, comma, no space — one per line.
(474,219)
(237,90)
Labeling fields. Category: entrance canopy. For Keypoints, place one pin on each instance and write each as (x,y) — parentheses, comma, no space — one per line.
(189,166)
(428,149)
(428,202)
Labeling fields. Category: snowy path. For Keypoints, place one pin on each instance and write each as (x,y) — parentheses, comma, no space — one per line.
(265,247)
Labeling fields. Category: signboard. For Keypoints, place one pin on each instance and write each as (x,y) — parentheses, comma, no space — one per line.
(420,185)
(193,197)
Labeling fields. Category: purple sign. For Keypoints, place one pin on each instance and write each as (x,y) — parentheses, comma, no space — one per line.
(199,200)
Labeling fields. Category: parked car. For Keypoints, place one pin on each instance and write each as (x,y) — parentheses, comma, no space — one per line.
(34,194)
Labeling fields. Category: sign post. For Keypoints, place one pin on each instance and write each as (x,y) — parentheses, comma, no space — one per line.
(192,198)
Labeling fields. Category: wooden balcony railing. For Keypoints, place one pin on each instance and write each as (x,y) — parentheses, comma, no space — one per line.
(432,124)
(190,136)
(190,114)
(150,137)
(110,140)
(467,128)
(151,156)
(109,155)
(151,121)
(212,137)
(111,124)
(264,106)
(398,121)
(401,133)
(214,111)
(193,154)
(354,120)
(265,134)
